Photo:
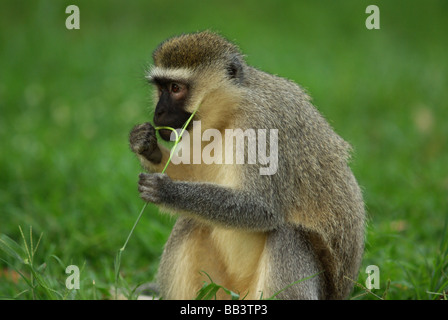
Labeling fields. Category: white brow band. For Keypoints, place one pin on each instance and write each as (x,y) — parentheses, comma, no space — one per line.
(178,73)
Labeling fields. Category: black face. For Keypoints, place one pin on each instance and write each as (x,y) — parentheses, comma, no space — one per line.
(170,109)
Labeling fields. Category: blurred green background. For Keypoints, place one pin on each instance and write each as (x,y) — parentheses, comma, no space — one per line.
(68,99)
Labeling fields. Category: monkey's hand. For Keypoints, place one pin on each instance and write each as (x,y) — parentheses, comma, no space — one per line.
(151,186)
(143,141)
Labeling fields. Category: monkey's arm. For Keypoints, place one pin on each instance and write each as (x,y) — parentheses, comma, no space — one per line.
(212,202)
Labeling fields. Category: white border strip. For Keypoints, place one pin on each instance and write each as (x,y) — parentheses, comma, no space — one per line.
(175,74)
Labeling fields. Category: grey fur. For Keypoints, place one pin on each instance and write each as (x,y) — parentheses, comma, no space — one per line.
(311,210)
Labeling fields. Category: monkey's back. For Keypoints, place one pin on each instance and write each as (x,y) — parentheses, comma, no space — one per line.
(316,189)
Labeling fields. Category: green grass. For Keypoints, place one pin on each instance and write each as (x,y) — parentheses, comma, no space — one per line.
(68,100)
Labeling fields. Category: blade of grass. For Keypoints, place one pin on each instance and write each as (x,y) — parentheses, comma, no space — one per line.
(117,263)
(27,251)
(18,271)
(12,248)
(38,286)
(386,291)
(363,287)
(209,290)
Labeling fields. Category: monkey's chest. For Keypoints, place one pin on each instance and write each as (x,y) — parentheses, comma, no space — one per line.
(239,251)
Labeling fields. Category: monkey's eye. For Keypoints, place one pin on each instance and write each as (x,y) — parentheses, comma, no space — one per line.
(175,88)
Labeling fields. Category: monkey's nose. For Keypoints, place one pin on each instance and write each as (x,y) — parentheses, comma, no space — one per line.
(158,115)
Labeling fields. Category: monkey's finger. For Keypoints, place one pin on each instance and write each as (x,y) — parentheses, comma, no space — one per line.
(141,134)
(156,179)
(145,127)
(153,154)
(148,194)
(146,189)
(147,180)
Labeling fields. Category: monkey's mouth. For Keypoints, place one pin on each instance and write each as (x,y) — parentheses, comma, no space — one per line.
(165,134)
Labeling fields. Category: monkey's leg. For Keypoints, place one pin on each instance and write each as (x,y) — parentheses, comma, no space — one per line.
(292,260)
(187,254)
(286,261)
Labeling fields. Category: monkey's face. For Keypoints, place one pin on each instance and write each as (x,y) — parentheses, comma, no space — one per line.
(197,70)
(170,109)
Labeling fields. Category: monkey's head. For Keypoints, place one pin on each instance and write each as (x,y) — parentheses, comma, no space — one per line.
(195,69)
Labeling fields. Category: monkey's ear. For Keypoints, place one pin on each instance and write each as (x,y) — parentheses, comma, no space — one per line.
(235,68)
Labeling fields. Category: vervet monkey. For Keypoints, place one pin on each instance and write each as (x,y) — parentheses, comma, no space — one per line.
(251,233)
